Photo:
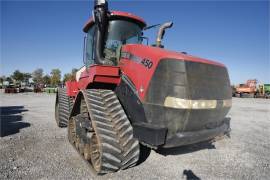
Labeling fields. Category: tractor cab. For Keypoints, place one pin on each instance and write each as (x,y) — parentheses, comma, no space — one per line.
(120,29)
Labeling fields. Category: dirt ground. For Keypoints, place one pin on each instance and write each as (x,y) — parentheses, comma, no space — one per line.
(33,147)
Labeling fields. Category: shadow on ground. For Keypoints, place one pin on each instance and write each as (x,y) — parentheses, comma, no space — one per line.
(189,174)
(186,149)
(11,120)
(145,152)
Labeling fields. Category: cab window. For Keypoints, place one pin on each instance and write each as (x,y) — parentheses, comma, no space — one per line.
(89,47)
(120,32)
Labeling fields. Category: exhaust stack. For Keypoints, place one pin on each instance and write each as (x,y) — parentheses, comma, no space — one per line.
(161,33)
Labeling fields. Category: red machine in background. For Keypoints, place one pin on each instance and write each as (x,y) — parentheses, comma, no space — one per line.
(129,97)
(248,89)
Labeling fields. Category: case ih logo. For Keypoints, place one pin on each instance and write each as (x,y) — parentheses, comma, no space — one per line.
(145,62)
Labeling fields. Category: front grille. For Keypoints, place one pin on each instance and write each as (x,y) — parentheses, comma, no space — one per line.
(206,81)
(169,79)
(188,80)
(187,96)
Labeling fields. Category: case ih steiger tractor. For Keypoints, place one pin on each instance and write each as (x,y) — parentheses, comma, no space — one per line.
(129,95)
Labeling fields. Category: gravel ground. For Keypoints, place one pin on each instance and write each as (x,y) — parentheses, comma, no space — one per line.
(32,147)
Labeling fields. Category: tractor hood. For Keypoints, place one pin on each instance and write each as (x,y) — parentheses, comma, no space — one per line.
(156,53)
(178,92)
(144,61)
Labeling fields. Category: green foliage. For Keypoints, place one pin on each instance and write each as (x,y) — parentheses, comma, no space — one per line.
(70,76)
(17,76)
(37,76)
(67,77)
(26,77)
(266,87)
(73,72)
(47,79)
(2,79)
(9,79)
(55,77)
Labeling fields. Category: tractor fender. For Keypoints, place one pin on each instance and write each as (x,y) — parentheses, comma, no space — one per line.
(72,88)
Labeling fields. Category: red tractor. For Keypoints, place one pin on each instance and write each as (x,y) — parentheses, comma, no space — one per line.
(129,95)
(249,89)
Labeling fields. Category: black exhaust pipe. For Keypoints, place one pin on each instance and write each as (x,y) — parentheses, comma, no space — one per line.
(101,21)
(161,33)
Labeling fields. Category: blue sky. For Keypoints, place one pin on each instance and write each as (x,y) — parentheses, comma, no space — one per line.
(48,34)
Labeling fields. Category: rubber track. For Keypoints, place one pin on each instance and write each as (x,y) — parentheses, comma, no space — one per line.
(65,107)
(119,149)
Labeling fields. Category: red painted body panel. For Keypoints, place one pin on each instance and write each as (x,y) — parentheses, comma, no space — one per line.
(95,73)
(141,75)
(129,15)
(72,88)
(90,22)
(160,53)
(98,73)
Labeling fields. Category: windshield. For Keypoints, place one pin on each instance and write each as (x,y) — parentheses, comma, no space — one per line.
(122,32)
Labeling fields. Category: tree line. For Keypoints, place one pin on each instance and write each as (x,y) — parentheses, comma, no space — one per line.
(38,77)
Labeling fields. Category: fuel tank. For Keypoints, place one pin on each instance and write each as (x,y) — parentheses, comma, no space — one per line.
(179,100)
